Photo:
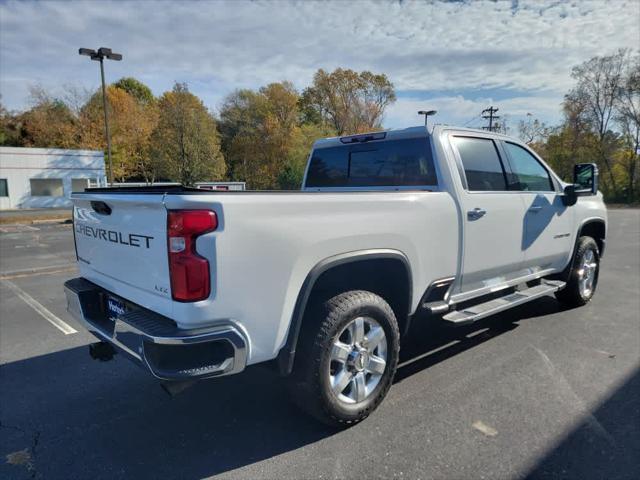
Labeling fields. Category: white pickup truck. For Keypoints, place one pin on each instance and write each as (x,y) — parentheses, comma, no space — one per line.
(324,283)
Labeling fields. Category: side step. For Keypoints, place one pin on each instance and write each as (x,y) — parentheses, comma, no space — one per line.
(476,312)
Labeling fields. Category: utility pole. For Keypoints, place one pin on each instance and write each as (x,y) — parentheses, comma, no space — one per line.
(99,56)
(489,113)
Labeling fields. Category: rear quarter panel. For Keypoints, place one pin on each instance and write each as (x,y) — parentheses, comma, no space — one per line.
(267,243)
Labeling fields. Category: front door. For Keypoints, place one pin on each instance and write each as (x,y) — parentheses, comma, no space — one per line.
(548,236)
(493,217)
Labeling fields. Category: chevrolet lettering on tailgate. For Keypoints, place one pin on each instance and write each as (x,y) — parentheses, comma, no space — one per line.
(113,236)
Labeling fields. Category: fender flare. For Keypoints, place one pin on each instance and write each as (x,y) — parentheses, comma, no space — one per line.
(564,274)
(286,356)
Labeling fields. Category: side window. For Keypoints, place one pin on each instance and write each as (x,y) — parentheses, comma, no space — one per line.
(481,162)
(529,174)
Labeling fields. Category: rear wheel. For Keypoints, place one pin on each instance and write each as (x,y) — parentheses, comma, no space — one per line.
(583,278)
(347,360)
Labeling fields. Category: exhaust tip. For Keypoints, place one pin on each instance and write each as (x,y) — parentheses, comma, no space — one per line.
(174,388)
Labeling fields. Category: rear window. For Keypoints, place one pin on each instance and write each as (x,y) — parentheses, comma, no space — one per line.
(482,165)
(390,163)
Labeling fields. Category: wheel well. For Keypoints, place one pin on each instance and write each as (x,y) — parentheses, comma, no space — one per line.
(596,230)
(386,275)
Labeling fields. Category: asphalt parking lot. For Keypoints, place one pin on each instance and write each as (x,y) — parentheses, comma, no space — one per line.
(538,392)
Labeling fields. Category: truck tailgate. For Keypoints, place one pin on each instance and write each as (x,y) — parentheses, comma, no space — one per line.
(124,238)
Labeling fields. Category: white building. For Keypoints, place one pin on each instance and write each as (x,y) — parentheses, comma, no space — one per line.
(45,177)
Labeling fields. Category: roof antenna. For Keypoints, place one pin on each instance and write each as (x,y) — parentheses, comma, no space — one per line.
(427,114)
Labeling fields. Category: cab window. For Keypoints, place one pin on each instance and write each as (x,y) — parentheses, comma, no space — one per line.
(528,172)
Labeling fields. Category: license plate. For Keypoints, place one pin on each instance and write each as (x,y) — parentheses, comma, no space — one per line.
(115,308)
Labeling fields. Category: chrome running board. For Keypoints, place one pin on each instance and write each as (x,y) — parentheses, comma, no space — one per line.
(476,312)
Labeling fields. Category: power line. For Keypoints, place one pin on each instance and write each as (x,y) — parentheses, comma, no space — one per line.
(471,120)
(489,114)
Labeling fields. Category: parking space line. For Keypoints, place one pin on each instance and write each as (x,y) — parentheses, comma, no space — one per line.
(36,274)
(38,307)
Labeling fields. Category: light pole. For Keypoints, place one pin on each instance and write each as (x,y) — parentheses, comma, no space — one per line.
(427,114)
(99,56)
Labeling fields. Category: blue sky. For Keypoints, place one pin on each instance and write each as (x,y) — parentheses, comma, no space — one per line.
(456,57)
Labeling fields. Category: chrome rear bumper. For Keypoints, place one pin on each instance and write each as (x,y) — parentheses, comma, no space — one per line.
(155,342)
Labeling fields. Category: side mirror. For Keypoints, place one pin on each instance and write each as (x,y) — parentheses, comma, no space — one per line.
(585,183)
(585,179)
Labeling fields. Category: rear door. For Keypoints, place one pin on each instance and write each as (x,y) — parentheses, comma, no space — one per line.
(121,242)
(493,217)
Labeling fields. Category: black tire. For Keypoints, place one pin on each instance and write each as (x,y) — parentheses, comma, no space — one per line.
(572,295)
(310,385)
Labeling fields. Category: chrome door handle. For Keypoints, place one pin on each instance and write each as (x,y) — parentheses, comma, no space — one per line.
(535,209)
(476,213)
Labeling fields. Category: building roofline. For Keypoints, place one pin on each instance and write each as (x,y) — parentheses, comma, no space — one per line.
(67,152)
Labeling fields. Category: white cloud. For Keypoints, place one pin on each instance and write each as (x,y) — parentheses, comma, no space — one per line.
(218,46)
(458,110)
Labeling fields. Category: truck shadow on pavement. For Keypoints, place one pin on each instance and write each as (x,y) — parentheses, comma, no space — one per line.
(432,341)
(84,419)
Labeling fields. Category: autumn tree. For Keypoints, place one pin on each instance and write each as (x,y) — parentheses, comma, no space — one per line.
(49,123)
(594,99)
(265,142)
(131,124)
(133,115)
(257,128)
(186,141)
(348,101)
(532,131)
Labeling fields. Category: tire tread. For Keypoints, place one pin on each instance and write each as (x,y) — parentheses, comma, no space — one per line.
(305,382)
(570,295)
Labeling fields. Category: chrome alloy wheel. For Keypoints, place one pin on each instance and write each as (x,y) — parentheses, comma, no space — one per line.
(358,360)
(587,273)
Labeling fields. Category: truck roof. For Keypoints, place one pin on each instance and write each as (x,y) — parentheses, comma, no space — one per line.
(440,127)
(396,134)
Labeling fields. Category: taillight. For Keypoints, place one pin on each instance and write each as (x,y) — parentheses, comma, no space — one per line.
(73,229)
(190,275)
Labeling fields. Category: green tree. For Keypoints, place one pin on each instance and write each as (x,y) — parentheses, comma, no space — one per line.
(264,138)
(136,89)
(10,128)
(257,130)
(348,101)
(291,175)
(186,141)
(49,123)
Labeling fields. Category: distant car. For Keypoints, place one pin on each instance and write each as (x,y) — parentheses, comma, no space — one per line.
(325,282)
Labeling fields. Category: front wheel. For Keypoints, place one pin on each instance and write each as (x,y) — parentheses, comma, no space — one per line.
(583,277)
(347,359)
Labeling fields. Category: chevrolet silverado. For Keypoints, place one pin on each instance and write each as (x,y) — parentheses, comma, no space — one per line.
(324,283)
